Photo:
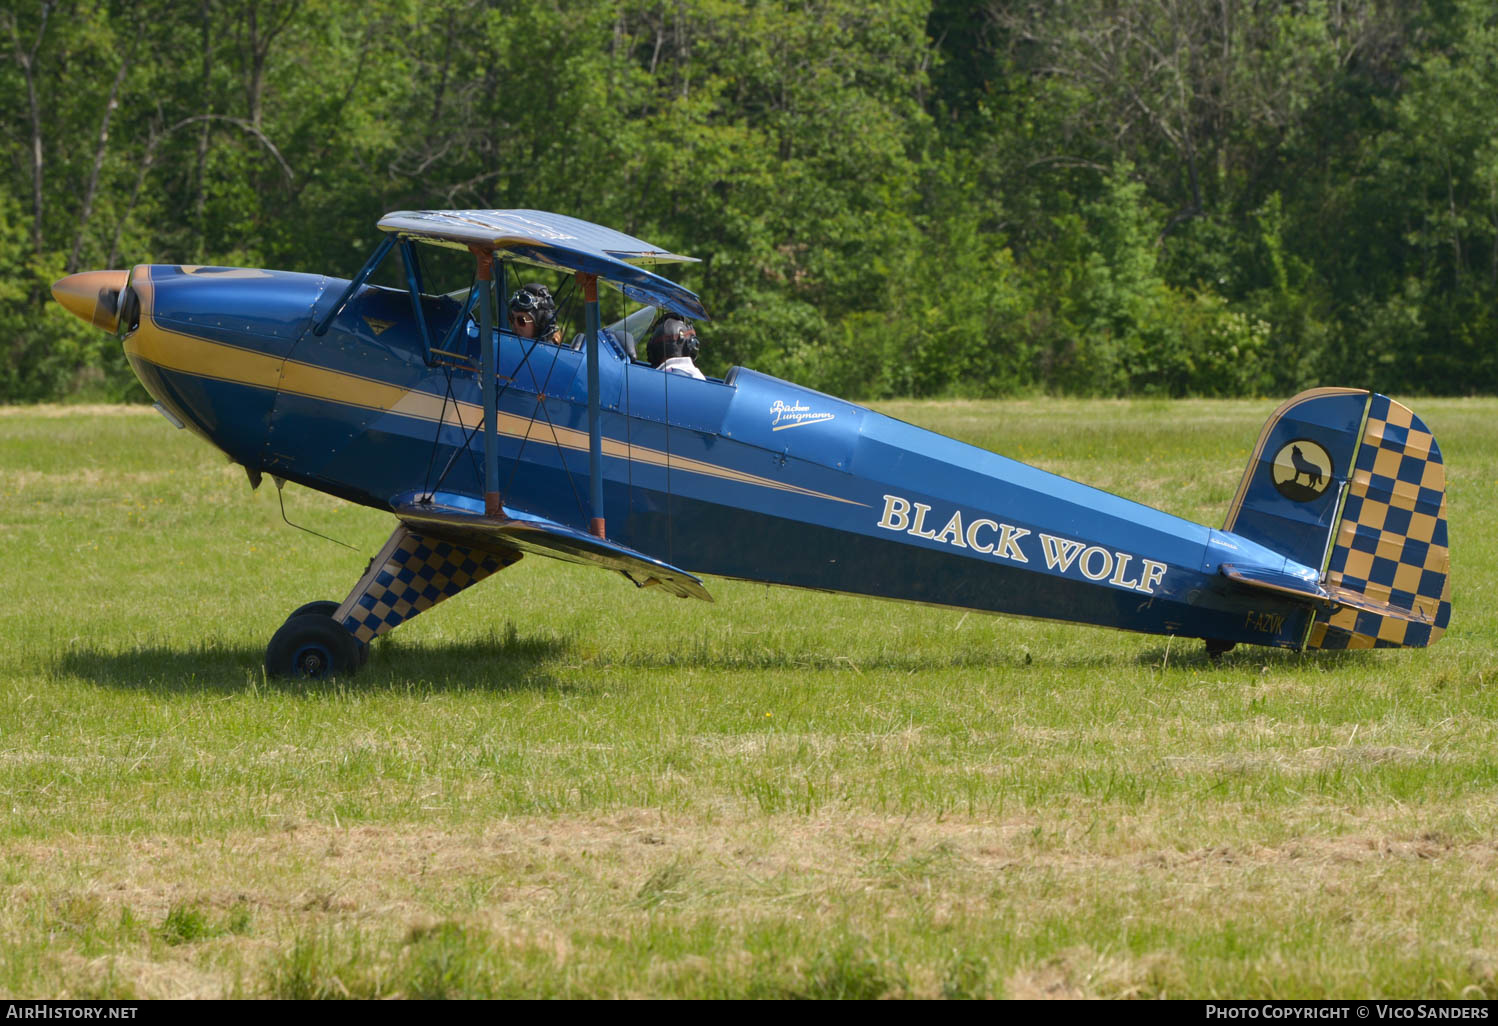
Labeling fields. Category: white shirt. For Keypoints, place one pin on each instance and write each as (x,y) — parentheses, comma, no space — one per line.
(683,365)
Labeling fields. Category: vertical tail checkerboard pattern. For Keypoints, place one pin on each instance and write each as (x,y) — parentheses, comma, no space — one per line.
(1391,561)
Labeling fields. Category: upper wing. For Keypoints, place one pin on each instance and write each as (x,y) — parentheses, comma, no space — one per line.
(526,533)
(554,240)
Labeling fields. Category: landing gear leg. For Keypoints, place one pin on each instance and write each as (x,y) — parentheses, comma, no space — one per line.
(411,574)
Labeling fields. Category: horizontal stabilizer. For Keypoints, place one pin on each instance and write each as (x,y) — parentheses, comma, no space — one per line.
(447,518)
(1274,580)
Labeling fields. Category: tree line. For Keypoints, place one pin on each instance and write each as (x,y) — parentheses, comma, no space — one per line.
(916,197)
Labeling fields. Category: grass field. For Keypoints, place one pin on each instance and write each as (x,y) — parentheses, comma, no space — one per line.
(557,785)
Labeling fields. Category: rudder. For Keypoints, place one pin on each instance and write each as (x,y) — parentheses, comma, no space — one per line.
(1390,565)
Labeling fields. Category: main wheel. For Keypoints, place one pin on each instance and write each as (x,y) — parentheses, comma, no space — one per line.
(326,607)
(312,645)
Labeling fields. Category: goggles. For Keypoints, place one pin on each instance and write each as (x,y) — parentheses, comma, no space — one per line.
(525,300)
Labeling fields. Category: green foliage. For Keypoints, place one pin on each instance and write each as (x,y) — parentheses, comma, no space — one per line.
(924,197)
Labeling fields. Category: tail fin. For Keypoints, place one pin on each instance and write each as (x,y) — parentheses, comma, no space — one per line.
(1296,477)
(1343,466)
(1390,565)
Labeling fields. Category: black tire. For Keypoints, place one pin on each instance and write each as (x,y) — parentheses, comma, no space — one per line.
(312,646)
(327,608)
(323,608)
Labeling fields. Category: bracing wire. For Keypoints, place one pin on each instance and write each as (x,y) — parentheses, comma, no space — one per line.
(442,420)
(282,499)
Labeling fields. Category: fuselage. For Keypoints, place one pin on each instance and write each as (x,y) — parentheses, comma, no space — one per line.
(747,477)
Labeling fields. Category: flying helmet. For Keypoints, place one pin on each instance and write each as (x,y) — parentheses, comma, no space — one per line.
(672,337)
(535,299)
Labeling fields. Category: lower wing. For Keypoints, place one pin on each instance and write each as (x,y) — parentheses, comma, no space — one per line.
(448,518)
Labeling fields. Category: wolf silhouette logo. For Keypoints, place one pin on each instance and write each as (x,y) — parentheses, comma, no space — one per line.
(1304,466)
(1302,470)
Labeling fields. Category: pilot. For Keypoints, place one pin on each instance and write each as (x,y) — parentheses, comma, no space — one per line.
(533,313)
(672,347)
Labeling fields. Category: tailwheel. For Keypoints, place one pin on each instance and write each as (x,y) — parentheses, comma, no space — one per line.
(312,645)
(1216,647)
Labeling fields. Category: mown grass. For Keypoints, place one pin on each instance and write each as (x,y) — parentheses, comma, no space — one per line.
(555,785)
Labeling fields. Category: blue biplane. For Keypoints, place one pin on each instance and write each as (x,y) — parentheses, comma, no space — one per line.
(486,445)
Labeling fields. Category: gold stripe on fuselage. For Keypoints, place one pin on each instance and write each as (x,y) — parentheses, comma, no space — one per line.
(219,361)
